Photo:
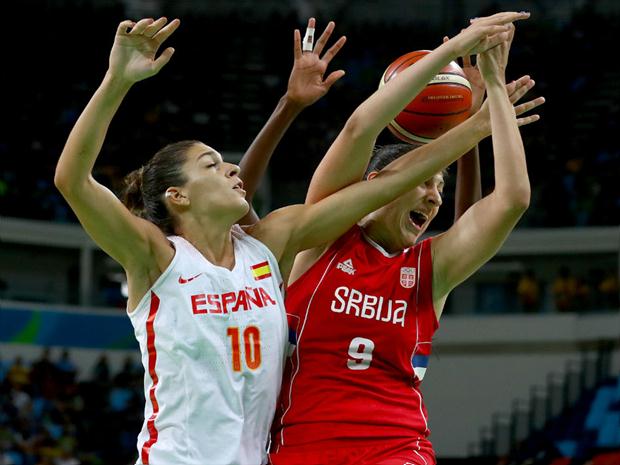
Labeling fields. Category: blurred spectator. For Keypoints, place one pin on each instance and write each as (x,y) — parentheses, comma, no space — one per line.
(66,368)
(18,374)
(101,371)
(528,291)
(3,370)
(564,290)
(583,295)
(609,290)
(44,376)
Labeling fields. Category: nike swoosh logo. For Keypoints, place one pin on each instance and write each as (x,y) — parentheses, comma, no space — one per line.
(185,281)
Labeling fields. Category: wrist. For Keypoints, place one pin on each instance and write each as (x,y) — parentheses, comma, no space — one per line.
(291,105)
(116,83)
(497,79)
(480,125)
(450,50)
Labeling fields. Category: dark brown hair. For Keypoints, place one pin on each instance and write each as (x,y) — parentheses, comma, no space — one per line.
(386,154)
(145,187)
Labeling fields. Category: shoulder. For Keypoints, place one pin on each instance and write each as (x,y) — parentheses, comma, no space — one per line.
(275,232)
(274,229)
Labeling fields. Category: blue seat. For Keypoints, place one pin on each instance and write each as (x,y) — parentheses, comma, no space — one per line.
(600,405)
(609,433)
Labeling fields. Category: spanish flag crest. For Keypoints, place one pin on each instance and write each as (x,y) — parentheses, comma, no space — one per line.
(261,270)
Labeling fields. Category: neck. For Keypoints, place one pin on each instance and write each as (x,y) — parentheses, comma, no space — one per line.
(376,230)
(212,240)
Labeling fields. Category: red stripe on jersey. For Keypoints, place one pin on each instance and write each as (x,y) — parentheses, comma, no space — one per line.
(265,276)
(152,353)
(259,265)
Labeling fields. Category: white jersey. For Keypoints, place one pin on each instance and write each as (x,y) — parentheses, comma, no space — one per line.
(213,346)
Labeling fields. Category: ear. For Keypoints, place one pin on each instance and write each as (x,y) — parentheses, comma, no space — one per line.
(176,196)
(371,175)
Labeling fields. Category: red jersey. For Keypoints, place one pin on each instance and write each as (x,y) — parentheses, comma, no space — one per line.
(360,323)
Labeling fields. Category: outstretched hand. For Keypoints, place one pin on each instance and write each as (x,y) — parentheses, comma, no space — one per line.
(516,90)
(306,83)
(133,54)
(485,33)
(472,73)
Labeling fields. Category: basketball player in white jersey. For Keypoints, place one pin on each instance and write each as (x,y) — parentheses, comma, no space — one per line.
(203,293)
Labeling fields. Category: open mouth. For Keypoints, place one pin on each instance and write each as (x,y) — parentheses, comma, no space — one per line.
(239,186)
(418,218)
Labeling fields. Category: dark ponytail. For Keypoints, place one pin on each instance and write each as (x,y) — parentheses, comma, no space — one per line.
(132,192)
(145,188)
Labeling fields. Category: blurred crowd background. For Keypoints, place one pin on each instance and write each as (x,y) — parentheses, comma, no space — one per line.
(230,69)
(50,417)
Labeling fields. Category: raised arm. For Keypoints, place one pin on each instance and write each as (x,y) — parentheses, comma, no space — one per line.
(306,85)
(468,184)
(480,232)
(125,237)
(292,229)
(347,158)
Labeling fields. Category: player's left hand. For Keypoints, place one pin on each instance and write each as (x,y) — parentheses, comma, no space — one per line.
(472,73)
(306,84)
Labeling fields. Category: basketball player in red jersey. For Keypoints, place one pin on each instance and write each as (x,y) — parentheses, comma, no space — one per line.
(204,293)
(363,309)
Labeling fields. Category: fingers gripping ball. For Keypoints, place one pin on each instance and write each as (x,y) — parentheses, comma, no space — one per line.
(442,104)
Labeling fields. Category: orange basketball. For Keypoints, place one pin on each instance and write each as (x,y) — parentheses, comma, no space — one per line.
(442,104)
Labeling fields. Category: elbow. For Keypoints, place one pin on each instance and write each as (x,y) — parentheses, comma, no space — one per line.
(62,182)
(517,201)
(65,184)
(356,126)
(520,198)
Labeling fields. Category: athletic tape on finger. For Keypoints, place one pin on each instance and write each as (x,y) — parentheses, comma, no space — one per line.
(308,42)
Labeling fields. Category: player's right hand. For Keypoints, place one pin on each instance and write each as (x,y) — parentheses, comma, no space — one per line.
(515,90)
(132,58)
(493,62)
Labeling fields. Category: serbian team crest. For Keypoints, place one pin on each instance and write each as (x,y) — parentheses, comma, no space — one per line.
(407,277)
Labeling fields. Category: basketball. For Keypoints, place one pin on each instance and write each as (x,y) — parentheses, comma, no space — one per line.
(440,106)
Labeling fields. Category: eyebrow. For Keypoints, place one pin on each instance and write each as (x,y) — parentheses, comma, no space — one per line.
(209,153)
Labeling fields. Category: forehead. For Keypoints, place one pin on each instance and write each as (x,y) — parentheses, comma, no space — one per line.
(199,151)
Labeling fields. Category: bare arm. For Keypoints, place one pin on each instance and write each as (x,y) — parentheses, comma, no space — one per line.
(480,232)
(125,237)
(346,160)
(468,184)
(254,162)
(305,86)
(292,229)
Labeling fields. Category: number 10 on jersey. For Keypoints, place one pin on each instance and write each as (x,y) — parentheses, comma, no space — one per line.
(251,347)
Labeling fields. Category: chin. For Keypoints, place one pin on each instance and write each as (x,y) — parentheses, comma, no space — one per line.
(245,208)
